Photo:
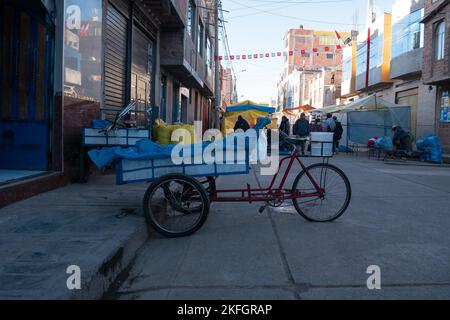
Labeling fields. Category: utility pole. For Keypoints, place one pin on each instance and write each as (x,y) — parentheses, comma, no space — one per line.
(217,93)
(369,23)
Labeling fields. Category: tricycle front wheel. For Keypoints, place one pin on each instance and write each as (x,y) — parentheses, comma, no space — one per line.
(176,205)
(336,196)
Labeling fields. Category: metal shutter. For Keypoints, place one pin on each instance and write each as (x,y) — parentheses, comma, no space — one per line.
(115,62)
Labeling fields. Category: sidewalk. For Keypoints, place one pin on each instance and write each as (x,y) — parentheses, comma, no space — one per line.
(97,226)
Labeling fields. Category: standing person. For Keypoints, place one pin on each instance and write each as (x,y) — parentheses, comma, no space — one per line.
(285,130)
(330,123)
(285,126)
(302,131)
(338,132)
(241,124)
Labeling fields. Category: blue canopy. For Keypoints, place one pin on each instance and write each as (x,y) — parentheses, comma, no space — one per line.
(247,108)
(249,105)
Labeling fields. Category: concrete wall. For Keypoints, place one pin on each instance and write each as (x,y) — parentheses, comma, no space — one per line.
(408,63)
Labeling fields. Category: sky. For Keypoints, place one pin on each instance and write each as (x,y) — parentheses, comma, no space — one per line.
(258,26)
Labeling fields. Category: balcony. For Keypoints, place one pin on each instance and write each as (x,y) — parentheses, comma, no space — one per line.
(179,56)
(407,65)
(167,12)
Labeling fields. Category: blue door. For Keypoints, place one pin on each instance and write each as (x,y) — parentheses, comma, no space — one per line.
(26,85)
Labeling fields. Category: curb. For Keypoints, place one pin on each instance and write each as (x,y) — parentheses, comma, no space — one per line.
(99,284)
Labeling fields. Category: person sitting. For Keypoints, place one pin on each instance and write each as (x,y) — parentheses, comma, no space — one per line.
(241,124)
(401,141)
(302,131)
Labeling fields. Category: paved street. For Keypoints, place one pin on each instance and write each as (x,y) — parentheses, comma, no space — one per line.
(398,219)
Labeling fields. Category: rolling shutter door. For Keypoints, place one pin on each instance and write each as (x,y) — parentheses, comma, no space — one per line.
(115,62)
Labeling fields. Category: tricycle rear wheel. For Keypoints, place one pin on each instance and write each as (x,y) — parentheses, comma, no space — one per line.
(176,205)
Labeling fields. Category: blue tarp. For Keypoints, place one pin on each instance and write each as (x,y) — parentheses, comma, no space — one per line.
(148,150)
(144,149)
(262,123)
(100,124)
(430,149)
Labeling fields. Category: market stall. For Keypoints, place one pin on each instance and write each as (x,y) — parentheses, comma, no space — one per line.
(369,117)
(250,111)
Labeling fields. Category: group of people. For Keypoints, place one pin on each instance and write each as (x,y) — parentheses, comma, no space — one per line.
(302,129)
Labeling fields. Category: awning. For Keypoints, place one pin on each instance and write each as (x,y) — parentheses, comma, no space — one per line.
(248,106)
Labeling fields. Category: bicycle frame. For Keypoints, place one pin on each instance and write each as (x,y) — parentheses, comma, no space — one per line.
(271,194)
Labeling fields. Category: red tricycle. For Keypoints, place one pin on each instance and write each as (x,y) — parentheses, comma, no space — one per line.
(177,205)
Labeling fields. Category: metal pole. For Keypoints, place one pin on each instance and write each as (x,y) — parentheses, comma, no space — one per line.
(368,58)
(217,94)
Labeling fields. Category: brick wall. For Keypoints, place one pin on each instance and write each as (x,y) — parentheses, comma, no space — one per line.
(435,71)
(77,114)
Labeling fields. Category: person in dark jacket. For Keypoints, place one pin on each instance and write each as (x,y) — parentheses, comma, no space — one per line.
(285,130)
(401,139)
(338,132)
(285,126)
(302,131)
(241,124)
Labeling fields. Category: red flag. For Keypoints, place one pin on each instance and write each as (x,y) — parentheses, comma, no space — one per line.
(255,56)
(315,50)
(327,49)
(338,36)
(84,31)
(220,58)
(303,51)
(231,57)
(244,57)
(291,53)
(279,54)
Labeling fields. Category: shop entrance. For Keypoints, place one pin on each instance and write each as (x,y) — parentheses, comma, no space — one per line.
(26,88)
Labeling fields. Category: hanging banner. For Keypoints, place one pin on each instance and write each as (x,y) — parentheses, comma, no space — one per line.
(271,55)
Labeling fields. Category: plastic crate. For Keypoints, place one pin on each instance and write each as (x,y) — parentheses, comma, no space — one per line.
(119,137)
(134,171)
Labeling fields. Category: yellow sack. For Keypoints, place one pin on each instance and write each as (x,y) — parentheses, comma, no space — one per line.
(162,134)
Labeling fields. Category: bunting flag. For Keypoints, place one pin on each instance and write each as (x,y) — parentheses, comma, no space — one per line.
(343,43)
(324,49)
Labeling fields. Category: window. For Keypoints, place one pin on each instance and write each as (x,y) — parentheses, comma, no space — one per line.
(301,40)
(191,19)
(200,37)
(439,45)
(407,33)
(330,56)
(327,40)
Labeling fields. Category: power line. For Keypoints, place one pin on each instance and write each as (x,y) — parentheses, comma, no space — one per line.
(289,17)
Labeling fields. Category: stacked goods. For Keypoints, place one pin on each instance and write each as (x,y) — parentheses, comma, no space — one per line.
(162,133)
(430,149)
